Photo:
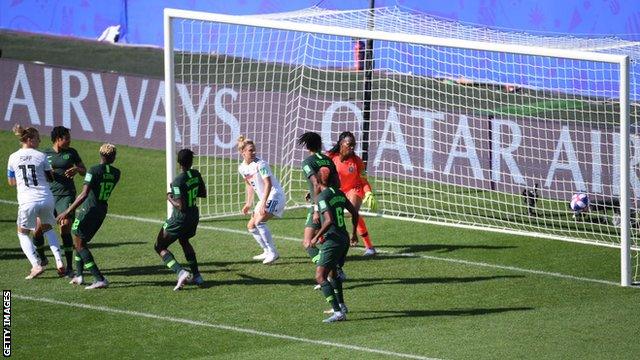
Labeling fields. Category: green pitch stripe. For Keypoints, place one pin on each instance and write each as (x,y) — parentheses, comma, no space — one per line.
(382,252)
(221,327)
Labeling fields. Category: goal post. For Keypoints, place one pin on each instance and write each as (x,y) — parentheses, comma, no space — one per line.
(468,132)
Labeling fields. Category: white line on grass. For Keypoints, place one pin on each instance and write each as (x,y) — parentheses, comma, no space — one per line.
(437,258)
(450,260)
(220,327)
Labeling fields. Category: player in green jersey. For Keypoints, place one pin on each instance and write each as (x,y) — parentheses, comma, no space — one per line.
(66,163)
(182,224)
(310,167)
(335,242)
(98,186)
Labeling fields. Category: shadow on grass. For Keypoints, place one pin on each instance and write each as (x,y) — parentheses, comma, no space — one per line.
(432,313)
(359,283)
(442,248)
(11,254)
(100,245)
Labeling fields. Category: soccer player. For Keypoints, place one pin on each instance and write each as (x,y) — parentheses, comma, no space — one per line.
(310,166)
(98,186)
(29,171)
(353,181)
(66,163)
(335,242)
(260,180)
(182,225)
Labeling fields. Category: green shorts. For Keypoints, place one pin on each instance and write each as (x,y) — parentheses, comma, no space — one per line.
(62,204)
(87,223)
(310,223)
(333,253)
(182,226)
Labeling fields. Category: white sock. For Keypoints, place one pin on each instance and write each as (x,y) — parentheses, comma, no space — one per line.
(54,245)
(258,238)
(28,249)
(266,237)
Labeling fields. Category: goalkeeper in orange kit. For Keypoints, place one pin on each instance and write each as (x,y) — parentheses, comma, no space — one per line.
(353,182)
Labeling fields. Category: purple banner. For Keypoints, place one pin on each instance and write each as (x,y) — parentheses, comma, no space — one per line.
(407,143)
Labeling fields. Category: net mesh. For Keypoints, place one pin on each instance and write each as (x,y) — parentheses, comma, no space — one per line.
(466,137)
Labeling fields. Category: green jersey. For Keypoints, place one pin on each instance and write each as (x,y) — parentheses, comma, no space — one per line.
(101,180)
(312,164)
(333,200)
(60,162)
(188,185)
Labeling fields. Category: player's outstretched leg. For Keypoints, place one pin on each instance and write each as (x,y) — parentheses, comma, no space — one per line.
(78,279)
(161,247)
(89,263)
(190,255)
(67,247)
(330,295)
(364,234)
(54,245)
(267,238)
(29,251)
(38,243)
(258,238)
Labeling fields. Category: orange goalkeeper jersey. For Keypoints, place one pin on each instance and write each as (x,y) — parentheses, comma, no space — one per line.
(352,172)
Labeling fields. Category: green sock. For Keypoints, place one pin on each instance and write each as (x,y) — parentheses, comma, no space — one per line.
(67,246)
(329,295)
(337,288)
(90,264)
(314,254)
(79,264)
(38,242)
(171,262)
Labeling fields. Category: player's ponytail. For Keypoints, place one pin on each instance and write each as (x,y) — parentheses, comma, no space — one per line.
(25,134)
(243,141)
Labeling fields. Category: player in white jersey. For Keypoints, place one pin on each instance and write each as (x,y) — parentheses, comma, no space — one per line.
(260,180)
(29,170)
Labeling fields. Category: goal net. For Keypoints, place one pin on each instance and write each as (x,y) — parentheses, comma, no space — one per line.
(467,126)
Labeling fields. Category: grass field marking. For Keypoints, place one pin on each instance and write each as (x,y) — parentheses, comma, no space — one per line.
(511,268)
(220,327)
(449,260)
(437,258)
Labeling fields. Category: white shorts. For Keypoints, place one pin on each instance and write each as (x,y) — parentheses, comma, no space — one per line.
(43,209)
(275,204)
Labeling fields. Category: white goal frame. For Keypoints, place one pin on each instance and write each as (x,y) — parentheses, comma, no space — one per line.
(622,61)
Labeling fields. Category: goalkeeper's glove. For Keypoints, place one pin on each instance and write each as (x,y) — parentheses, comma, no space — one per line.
(370,201)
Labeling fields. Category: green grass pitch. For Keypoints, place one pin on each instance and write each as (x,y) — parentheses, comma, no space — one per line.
(433,292)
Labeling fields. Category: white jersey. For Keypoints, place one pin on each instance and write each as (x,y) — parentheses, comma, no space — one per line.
(255,173)
(28,167)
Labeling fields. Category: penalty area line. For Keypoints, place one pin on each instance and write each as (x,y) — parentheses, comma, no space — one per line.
(219,327)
